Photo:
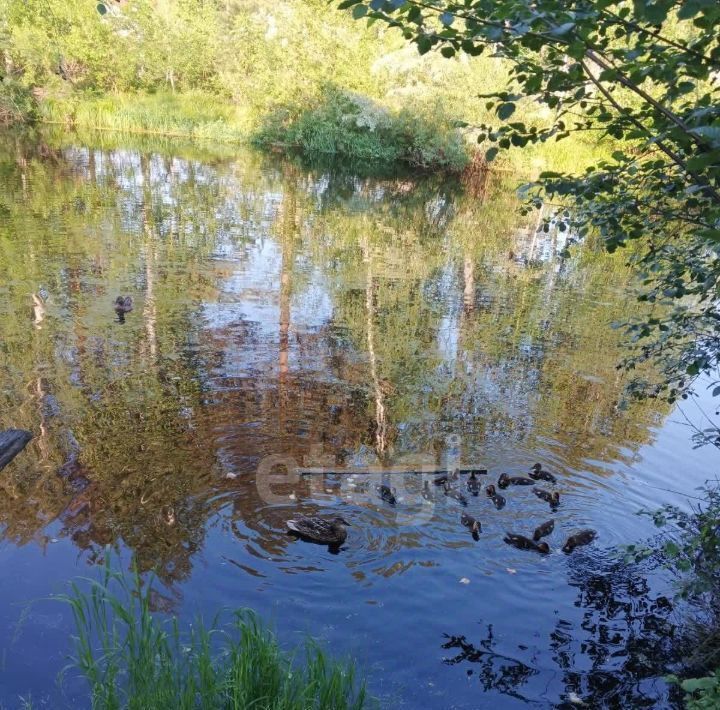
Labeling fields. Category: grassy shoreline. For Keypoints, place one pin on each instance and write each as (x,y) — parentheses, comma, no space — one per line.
(315,132)
(133,659)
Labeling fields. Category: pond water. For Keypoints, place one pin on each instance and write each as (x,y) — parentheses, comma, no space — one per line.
(286,317)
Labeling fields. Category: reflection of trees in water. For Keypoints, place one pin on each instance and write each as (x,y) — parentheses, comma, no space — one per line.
(616,656)
(493,670)
(430,330)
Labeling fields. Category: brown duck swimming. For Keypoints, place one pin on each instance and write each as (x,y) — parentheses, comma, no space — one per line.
(503,481)
(543,530)
(525,543)
(387,494)
(327,531)
(552,498)
(582,537)
(473,484)
(495,497)
(426,492)
(471,524)
(539,475)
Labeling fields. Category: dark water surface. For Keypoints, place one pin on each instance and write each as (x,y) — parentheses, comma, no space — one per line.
(288,318)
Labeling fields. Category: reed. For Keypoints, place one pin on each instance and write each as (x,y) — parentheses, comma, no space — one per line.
(133,659)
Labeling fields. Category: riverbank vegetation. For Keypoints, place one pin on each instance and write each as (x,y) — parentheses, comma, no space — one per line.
(132,658)
(645,76)
(296,77)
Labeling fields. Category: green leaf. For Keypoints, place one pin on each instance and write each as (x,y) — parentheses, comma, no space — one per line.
(710,132)
(101,8)
(448,52)
(345,4)
(424,44)
(693,684)
(504,111)
(689,9)
(359,11)
(671,549)
(491,153)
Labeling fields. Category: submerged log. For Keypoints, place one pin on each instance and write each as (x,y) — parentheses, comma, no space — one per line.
(12,442)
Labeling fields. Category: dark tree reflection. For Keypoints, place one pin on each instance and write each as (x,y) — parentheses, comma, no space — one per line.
(615,655)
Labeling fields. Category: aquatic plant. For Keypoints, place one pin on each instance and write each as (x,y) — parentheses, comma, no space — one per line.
(132,658)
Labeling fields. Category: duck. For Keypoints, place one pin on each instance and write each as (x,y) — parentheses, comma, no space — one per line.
(456,495)
(503,481)
(440,480)
(471,524)
(525,543)
(387,494)
(552,498)
(495,497)
(123,304)
(582,537)
(538,474)
(473,484)
(327,531)
(543,530)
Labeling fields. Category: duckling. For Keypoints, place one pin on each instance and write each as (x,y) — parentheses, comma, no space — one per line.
(525,543)
(387,494)
(440,480)
(543,530)
(539,475)
(426,492)
(521,481)
(495,497)
(552,498)
(327,531)
(471,524)
(582,537)
(123,304)
(452,493)
(503,481)
(473,484)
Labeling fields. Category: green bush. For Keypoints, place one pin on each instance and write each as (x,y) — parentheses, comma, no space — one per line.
(17,104)
(354,127)
(134,660)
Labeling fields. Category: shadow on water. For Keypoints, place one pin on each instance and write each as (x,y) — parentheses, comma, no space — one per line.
(615,652)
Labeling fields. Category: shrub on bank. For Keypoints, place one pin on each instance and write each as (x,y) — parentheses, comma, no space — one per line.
(17,104)
(350,126)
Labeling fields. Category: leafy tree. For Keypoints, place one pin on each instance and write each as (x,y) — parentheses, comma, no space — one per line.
(641,74)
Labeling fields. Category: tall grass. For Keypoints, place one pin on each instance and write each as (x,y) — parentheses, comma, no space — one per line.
(193,115)
(132,659)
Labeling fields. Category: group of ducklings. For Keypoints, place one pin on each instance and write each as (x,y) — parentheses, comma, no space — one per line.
(536,543)
(333,532)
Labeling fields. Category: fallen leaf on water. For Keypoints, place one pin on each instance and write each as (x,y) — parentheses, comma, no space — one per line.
(510,570)
(464,580)
(292,496)
(575,699)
